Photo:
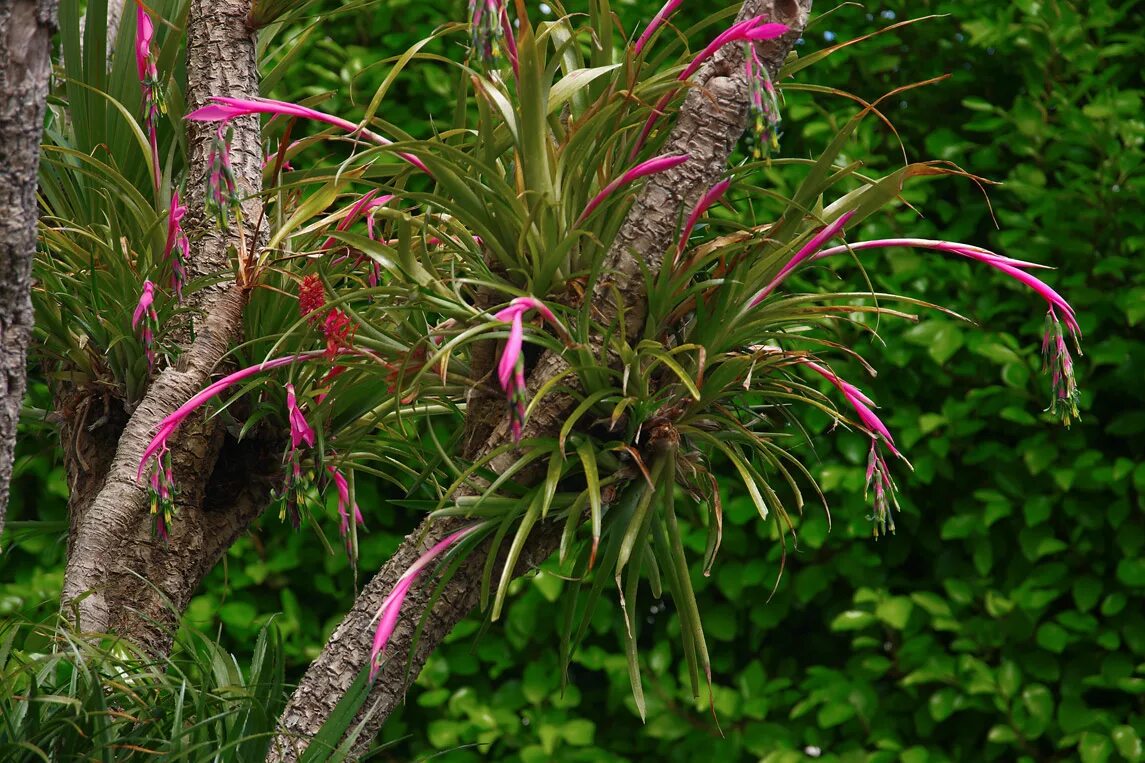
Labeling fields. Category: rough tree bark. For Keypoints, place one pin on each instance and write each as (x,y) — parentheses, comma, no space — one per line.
(26,29)
(707,127)
(119,578)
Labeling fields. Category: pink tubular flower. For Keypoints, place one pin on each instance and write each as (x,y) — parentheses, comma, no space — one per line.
(146,321)
(300,431)
(1056,360)
(144,32)
(763,102)
(222,191)
(222,109)
(862,405)
(649,167)
(710,197)
(885,499)
(388,612)
(162,484)
(510,40)
(177,247)
(878,474)
(343,489)
(488,21)
(511,366)
(149,82)
(748,30)
(807,251)
(657,20)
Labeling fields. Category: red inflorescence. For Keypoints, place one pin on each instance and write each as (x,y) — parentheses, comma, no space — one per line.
(339,331)
(311,297)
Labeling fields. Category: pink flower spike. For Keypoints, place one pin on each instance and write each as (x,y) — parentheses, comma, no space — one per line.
(753,30)
(511,365)
(742,31)
(807,251)
(1011,267)
(511,355)
(177,247)
(657,20)
(343,489)
(510,40)
(862,405)
(168,425)
(146,300)
(300,431)
(649,167)
(144,32)
(390,608)
(713,194)
(223,109)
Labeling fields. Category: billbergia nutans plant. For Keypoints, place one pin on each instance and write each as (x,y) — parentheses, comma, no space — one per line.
(462,315)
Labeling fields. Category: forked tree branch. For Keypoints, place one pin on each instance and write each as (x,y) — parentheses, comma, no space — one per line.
(119,577)
(26,28)
(707,127)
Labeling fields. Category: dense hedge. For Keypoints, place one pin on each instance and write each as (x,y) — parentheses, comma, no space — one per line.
(1004,619)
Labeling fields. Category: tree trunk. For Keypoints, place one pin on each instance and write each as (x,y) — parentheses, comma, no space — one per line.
(119,577)
(707,127)
(26,29)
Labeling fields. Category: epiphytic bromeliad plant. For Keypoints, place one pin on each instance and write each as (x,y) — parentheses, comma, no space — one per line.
(548,322)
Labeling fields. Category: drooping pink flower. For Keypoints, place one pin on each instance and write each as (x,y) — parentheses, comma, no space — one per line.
(657,20)
(1056,359)
(149,83)
(300,430)
(885,498)
(387,615)
(1011,267)
(710,197)
(649,167)
(1064,402)
(748,30)
(488,21)
(162,483)
(763,103)
(177,247)
(805,252)
(169,424)
(511,366)
(222,190)
(146,321)
(861,404)
(343,489)
(144,32)
(223,109)
(878,474)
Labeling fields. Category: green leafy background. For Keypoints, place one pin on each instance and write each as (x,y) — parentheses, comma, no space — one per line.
(1003,621)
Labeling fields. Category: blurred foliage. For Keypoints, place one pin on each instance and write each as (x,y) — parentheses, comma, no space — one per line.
(1004,621)
(67,698)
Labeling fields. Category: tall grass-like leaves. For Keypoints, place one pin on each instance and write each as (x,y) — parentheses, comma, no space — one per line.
(64,696)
